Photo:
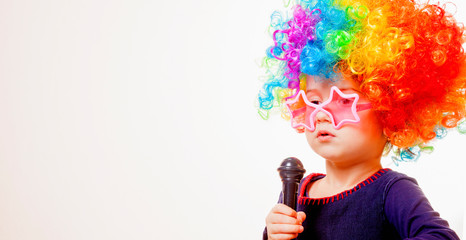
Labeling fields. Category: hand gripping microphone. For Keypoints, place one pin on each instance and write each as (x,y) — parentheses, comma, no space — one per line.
(291,172)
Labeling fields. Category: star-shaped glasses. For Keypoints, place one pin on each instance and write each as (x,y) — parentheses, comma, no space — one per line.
(340,107)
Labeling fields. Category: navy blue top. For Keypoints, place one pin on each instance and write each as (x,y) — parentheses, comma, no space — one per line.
(387,205)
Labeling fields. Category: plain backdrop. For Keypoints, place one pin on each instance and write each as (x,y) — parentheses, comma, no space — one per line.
(136,120)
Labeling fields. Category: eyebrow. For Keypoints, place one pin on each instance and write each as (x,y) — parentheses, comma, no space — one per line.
(350,88)
(311,90)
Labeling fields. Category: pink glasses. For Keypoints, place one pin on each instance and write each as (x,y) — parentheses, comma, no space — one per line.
(341,108)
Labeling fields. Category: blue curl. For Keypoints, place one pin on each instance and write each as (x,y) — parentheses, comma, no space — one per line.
(277,51)
(411,154)
(338,17)
(440,132)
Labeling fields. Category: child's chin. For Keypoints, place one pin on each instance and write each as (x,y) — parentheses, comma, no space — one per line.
(328,152)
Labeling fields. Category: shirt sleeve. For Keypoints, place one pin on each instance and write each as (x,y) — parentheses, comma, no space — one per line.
(409,211)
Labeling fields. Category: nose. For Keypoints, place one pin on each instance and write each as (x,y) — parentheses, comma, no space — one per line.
(322,117)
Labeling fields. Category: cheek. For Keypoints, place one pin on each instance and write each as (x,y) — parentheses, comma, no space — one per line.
(309,138)
(308,135)
(371,127)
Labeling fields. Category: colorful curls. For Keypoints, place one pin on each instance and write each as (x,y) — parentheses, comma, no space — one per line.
(418,60)
(316,37)
(407,58)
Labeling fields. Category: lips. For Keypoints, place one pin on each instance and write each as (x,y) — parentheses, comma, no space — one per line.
(323,133)
(324,136)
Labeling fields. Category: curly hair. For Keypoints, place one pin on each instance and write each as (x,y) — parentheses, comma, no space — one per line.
(406,57)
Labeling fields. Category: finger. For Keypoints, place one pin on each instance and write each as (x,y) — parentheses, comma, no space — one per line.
(283,236)
(301,217)
(283,209)
(278,218)
(285,229)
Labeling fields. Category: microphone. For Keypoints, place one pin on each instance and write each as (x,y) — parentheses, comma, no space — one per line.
(291,172)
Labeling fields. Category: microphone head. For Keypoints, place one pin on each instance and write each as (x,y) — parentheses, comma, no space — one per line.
(291,169)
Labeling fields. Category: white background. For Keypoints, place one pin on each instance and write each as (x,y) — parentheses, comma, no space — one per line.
(136,120)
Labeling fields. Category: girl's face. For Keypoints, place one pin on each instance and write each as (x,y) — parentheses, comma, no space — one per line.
(353,142)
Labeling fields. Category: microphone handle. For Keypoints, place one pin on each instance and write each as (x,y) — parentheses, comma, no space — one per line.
(291,172)
(290,193)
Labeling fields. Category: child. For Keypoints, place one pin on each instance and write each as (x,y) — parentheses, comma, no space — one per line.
(359,77)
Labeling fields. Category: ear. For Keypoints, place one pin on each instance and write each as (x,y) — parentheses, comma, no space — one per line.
(385,133)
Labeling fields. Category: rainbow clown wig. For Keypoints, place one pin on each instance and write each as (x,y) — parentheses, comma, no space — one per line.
(406,57)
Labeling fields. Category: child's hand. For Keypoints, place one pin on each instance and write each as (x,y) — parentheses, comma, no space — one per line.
(284,223)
